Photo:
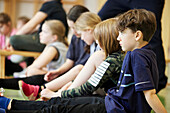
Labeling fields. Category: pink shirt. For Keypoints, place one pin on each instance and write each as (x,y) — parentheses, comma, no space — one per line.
(2,38)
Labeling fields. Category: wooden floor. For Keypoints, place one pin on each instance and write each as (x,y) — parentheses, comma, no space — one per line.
(164,96)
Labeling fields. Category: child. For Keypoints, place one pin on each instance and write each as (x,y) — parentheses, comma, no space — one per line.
(106,35)
(21,21)
(138,82)
(76,53)
(54,54)
(6,30)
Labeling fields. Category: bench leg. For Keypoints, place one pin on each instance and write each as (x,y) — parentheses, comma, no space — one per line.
(2,66)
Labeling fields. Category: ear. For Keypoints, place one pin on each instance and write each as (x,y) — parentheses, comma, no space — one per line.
(138,35)
(90,30)
(55,37)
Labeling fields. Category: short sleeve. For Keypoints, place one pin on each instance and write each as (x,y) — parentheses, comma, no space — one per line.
(71,49)
(47,8)
(142,72)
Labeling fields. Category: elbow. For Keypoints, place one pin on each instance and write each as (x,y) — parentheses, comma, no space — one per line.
(149,93)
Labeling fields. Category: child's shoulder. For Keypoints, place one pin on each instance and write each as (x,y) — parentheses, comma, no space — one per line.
(115,57)
(145,52)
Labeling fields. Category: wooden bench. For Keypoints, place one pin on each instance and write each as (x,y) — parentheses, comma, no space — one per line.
(4,53)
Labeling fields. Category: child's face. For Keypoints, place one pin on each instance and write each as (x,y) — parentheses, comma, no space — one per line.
(46,36)
(127,40)
(71,25)
(87,36)
(4,29)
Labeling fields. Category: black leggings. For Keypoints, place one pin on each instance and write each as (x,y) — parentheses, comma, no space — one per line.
(13,82)
(60,105)
(11,67)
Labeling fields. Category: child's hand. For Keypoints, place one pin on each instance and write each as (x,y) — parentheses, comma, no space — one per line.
(51,75)
(47,94)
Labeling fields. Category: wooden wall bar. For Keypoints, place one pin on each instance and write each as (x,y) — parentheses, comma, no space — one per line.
(10,6)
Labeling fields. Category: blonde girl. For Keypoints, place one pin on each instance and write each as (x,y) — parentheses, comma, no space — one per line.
(54,54)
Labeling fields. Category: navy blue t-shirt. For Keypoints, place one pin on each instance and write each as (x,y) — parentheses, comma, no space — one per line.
(140,73)
(54,10)
(76,51)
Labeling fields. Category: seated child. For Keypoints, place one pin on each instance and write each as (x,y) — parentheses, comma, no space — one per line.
(7,30)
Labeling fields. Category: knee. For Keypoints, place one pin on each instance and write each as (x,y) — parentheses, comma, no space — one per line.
(13,39)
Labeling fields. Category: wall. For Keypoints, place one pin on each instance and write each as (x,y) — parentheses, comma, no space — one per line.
(166,34)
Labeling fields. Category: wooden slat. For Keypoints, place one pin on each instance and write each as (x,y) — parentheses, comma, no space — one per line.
(4,53)
(2,66)
(23,53)
(167,60)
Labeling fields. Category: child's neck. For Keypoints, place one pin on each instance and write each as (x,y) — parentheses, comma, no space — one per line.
(140,45)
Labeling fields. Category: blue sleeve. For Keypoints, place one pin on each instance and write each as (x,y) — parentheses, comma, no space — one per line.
(47,8)
(142,72)
(112,8)
(71,49)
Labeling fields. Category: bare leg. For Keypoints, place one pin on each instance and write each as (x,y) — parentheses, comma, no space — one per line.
(59,82)
(36,71)
(89,68)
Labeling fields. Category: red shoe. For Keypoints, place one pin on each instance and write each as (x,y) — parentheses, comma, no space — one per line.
(29,92)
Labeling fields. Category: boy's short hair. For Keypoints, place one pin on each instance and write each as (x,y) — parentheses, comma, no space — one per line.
(138,19)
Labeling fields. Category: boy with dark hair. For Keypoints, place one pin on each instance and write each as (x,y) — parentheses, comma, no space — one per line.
(138,81)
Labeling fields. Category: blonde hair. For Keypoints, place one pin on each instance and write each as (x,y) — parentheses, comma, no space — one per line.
(87,20)
(57,28)
(106,33)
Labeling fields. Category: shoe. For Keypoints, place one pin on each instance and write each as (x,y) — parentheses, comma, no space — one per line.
(20,74)
(29,92)
(4,102)
(17,58)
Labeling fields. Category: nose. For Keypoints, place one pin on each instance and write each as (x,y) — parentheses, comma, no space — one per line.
(40,33)
(118,38)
